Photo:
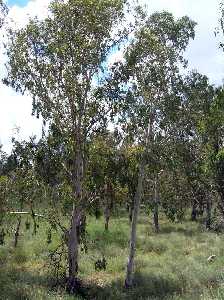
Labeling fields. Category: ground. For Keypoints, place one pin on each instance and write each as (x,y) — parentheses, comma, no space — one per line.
(169,265)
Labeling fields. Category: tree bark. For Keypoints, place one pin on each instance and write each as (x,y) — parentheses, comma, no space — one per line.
(208,213)
(156,206)
(73,232)
(137,200)
(136,206)
(130,211)
(194,211)
(73,244)
(107,217)
(17,232)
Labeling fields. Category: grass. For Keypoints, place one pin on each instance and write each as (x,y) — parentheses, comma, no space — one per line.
(170,265)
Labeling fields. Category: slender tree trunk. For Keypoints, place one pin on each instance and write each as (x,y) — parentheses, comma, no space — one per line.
(137,199)
(208,212)
(108,203)
(107,217)
(130,211)
(156,206)
(221,202)
(194,211)
(17,232)
(106,206)
(201,208)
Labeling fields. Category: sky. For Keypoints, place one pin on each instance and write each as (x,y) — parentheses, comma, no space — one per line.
(203,54)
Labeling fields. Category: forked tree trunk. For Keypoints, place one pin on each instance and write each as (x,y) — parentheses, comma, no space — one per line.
(156,206)
(137,200)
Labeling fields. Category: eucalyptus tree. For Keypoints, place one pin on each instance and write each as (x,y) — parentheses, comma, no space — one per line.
(129,155)
(151,75)
(59,62)
(211,130)
(103,173)
(197,97)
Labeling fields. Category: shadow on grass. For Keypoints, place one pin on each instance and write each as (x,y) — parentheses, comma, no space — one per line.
(189,232)
(145,287)
(21,284)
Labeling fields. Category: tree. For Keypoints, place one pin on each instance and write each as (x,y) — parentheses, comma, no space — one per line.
(211,130)
(103,169)
(151,73)
(57,61)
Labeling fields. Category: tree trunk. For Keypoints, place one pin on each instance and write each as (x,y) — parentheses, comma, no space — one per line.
(194,211)
(73,244)
(130,211)
(137,200)
(107,217)
(208,212)
(17,232)
(156,207)
(73,233)
(136,206)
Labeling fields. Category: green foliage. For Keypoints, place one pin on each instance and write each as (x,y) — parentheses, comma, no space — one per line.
(169,125)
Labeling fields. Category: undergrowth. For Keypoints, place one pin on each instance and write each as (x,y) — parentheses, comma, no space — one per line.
(169,265)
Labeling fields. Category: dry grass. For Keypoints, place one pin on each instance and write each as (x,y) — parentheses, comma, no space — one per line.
(169,265)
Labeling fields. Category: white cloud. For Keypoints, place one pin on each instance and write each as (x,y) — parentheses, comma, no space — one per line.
(15,110)
(21,15)
(203,52)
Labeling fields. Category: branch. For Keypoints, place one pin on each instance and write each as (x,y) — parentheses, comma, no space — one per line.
(39,216)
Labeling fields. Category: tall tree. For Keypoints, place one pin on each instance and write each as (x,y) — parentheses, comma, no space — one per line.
(151,73)
(58,61)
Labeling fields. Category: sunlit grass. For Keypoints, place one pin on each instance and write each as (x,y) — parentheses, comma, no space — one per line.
(169,265)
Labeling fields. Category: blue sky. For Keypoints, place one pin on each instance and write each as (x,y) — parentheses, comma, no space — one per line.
(17,2)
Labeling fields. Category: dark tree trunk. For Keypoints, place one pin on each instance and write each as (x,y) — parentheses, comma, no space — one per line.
(221,201)
(130,211)
(108,203)
(208,212)
(107,224)
(194,211)
(107,217)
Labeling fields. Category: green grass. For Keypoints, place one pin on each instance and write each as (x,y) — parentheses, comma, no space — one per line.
(169,265)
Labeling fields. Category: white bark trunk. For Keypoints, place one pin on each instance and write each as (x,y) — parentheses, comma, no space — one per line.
(137,200)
